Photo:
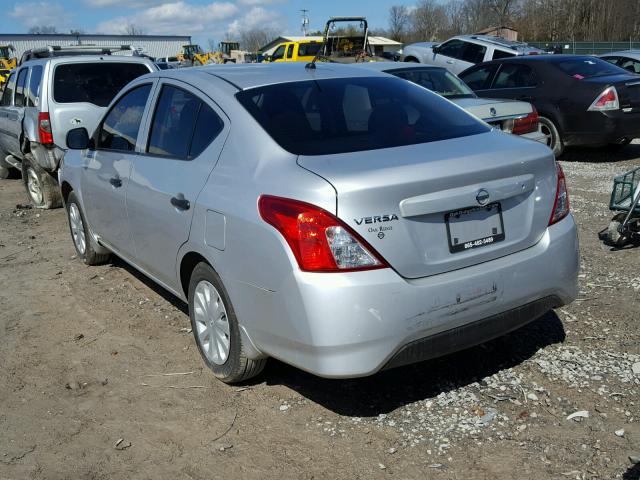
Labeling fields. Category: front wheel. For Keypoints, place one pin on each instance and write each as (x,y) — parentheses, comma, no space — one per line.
(552,135)
(216,330)
(42,188)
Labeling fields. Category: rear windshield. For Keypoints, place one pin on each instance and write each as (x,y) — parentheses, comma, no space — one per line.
(355,114)
(95,83)
(437,80)
(587,67)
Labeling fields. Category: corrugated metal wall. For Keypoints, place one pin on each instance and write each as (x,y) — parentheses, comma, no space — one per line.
(153,45)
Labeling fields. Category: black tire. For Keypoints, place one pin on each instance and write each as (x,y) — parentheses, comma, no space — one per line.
(7,170)
(554,140)
(89,255)
(614,237)
(620,144)
(411,60)
(42,188)
(237,367)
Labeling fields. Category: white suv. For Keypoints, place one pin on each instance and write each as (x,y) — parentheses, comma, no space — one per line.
(461,52)
(53,90)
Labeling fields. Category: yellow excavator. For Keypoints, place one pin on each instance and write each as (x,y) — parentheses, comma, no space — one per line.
(8,62)
(193,55)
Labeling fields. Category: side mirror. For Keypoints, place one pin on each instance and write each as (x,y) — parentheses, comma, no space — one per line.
(435,48)
(78,139)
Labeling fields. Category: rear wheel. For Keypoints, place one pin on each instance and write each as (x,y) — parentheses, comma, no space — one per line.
(80,234)
(411,60)
(42,188)
(623,142)
(216,330)
(552,135)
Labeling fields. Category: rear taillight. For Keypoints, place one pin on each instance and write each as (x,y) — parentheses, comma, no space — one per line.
(319,241)
(526,124)
(607,100)
(44,129)
(561,203)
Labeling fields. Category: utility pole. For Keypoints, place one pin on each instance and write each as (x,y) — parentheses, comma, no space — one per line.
(305,21)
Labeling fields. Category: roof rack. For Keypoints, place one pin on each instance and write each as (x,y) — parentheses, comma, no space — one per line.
(513,45)
(67,50)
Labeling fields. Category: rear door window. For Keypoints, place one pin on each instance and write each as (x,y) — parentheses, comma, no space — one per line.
(498,54)
(514,76)
(7,94)
(309,49)
(20,88)
(173,128)
(120,128)
(473,53)
(478,78)
(355,114)
(34,85)
(290,51)
(97,83)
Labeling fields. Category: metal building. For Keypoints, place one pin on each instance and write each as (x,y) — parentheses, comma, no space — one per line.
(153,45)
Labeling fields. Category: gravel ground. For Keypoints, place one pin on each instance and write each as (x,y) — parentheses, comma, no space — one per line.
(88,359)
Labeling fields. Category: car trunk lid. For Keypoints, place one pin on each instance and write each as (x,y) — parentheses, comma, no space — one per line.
(400,199)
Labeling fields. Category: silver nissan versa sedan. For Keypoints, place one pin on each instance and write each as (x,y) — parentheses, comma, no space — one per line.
(341,220)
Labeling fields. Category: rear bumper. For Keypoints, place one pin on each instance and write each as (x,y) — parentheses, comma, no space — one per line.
(350,325)
(603,128)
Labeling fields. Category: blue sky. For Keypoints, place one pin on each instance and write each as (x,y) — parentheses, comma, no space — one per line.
(202,19)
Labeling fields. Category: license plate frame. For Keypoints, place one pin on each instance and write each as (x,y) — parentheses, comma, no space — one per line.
(471,244)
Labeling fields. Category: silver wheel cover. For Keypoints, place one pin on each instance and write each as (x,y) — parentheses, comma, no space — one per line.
(212,325)
(77,229)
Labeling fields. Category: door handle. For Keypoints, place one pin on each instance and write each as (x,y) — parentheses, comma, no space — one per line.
(180,202)
(115,182)
(450,62)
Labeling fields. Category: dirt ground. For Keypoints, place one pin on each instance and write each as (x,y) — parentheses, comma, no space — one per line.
(88,357)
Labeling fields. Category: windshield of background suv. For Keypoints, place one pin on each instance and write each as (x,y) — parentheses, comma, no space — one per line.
(587,67)
(437,80)
(95,83)
(354,114)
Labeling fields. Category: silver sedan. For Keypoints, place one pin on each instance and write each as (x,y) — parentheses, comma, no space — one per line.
(341,220)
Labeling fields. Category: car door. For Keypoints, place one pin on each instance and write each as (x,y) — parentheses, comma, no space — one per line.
(6,103)
(107,169)
(13,114)
(447,54)
(183,142)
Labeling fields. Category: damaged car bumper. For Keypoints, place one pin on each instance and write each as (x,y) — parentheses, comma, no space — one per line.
(355,324)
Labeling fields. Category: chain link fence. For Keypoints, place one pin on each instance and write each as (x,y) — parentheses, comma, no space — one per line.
(585,48)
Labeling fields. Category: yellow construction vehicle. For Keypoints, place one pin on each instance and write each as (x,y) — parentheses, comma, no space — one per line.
(8,62)
(229,52)
(193,55)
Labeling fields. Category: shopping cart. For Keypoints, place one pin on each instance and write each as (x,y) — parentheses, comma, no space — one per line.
(624,228)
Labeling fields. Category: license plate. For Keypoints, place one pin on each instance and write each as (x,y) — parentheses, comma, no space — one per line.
(474,227)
